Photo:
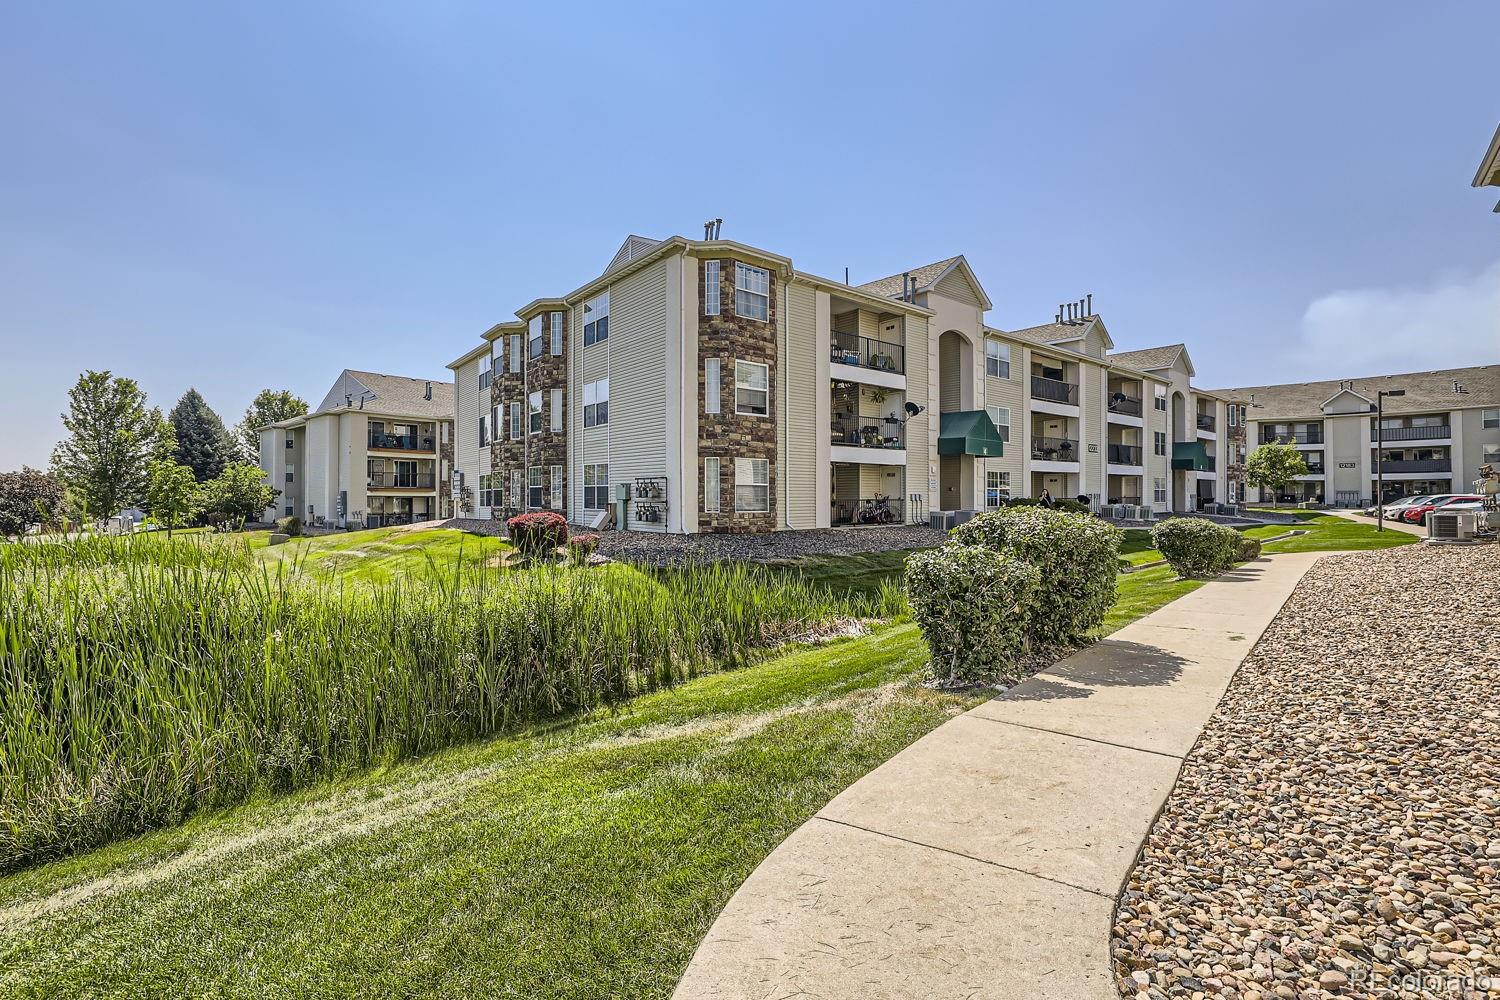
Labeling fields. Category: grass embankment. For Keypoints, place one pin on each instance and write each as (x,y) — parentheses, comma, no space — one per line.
(381,555)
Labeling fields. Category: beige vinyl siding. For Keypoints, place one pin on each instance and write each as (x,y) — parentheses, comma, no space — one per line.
(956,287)
(920,430)
(636,439)
(1157,466)
(950,377)
(1093,428)
(273,458)
(1011,394)
(869,324)
(797,430)
(467,456)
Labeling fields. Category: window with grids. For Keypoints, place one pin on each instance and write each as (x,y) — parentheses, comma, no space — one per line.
(1000,417)
(485,375)
(712,488)
(996,487)
(711,288)
(752,485)
(1159,493)
(596,320)
(596,403)
(596,486)
(557,410)
(752,292)
(557,331)
(996,359)
(712,389)
(534,412)
(515,354)
(752,388)
(556,481)
(1489,419)
(1159,442)
(534,338)
(534,488)
(515,420)
(1160,401)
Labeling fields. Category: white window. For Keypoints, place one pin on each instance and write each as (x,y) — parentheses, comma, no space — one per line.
(556,480)
(1234,416)
(1160,401)
(1489,419)
(596,486)
(711,388)
(515,421)
(534,413)
(1000,417)
(752,388)
(1159,442)
(557,330)
(1233,485)
(752,485)
(557,409)
(515,489)
(752,292)
(711,289)
(534,488)
(711,483)
(485,375)
(596,320)
(484,432)
(1159,492)
(596,403)
(534,337)
(996,359)
(515,354)
(996,487)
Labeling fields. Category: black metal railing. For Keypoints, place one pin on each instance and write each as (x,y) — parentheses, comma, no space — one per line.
(1049,449)
(1206,421)
(1314,470)
(1312,435)
(1432,433)
(867,352)
(403,442)
(1417,465)
(401,480)
(867,432)
(1121,403)
(874,510)
(1054,390)
(389,520)
(1125,454)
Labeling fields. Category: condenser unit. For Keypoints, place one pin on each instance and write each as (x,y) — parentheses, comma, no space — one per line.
(1453,528)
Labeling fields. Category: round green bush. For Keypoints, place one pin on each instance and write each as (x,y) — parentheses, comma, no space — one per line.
(1249,548)
(1195,546)
(969,603)
(1077,556)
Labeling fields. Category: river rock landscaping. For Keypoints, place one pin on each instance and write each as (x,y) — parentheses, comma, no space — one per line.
(1336,830)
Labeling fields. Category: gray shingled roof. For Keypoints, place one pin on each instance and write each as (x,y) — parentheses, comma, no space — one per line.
(1424,391)
(633,247)
(405,397)
(1049,333)
(1149,358)
(890,287)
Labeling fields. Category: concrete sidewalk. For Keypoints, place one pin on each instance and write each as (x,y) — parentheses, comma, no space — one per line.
(984,860)
(1391,523)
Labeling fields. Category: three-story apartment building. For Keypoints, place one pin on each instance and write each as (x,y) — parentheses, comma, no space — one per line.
(377,450)
(1432,439)
(707,385)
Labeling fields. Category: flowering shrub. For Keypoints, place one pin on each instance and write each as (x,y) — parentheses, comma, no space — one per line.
(968,603)
(538,533)
(1077,556)
(580,547)
(1196,547)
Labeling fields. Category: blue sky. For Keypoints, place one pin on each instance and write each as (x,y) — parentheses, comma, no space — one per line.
(240,196)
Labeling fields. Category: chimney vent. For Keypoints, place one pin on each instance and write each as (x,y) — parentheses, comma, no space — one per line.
(905,286)
(428,394)
(1090,298)
(1458,388)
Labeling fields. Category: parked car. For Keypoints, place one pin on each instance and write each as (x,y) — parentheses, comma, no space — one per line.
(1418,514)
(1394,508)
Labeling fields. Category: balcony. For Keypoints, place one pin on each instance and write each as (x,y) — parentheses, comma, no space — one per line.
(403,442)
(401,481)
(401,517)
(1124,454)
(867,352)
(1436,432)
(867,432)
(874,510)
(1054,390)
(1206,421)
(1417,465)
(1129,501)
(1311,435)
(1048,449)
(1125,405)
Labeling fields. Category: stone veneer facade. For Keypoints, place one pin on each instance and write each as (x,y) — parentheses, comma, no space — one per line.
(728,435)
(1234,469)
(546,448)
(445,461)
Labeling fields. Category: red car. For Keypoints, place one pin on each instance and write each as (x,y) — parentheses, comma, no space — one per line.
(1418,514)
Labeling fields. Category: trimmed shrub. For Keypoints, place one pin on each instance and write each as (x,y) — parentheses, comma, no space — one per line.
(291,526)
(1249,548)
(580,547)
(1196,547)
(538,533)
(1071,506)
(969,603)
(1076,555)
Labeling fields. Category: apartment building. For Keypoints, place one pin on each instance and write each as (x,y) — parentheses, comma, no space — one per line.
(1432,439)
(377,450)
(707,385)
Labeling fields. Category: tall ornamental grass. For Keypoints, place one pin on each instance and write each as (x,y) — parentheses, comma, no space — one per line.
(140,683)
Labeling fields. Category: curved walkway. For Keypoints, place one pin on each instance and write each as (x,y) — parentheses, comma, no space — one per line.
(984,860)
(1391,523)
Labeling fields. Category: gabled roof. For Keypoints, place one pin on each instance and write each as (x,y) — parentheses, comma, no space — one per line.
(926,277)
(1152,359)
(1425,392)
(1343,391)
(1489,167)
(397,395)
(1063,333)
(633,247)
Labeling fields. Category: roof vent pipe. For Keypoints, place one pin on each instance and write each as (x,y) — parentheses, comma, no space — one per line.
(428,394)
(708,229)
(905,286)
(718,227)
(1090,298)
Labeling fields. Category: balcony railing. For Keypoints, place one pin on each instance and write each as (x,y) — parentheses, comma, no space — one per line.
(867,352)
(1312,435)
(1127,405)
(1432,433)
(1125,454)
(867,432)
(387,520)
(1048,449)
(1053,390)
(401,480)
(874,510)
(1206,421)
(1131,501)
(1417,465)
(403,442)
(1314,470)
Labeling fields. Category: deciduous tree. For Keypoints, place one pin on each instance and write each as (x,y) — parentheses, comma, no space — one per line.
(173,493)
(29,498)
(1273,467)
(112,436)
(239,493)
(268,407)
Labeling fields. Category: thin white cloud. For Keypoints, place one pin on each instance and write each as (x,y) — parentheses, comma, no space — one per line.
(1453,322)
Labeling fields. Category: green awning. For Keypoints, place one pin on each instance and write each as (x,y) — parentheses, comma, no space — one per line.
(1191,455)
(969,432)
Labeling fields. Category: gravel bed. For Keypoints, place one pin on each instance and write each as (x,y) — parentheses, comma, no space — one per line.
(663,550)
(1336,829)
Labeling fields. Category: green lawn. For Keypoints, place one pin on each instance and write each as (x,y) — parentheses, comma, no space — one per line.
(1329,532)
(380,554)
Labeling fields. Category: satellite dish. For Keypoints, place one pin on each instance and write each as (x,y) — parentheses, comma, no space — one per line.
(912,409)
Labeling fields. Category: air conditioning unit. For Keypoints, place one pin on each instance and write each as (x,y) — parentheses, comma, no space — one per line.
(1455,527)
(1144,513)
(1119,511)
(940,520)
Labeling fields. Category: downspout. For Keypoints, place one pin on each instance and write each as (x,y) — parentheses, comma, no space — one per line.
(781,462)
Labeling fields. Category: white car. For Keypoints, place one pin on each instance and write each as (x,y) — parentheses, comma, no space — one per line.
(1397,505)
